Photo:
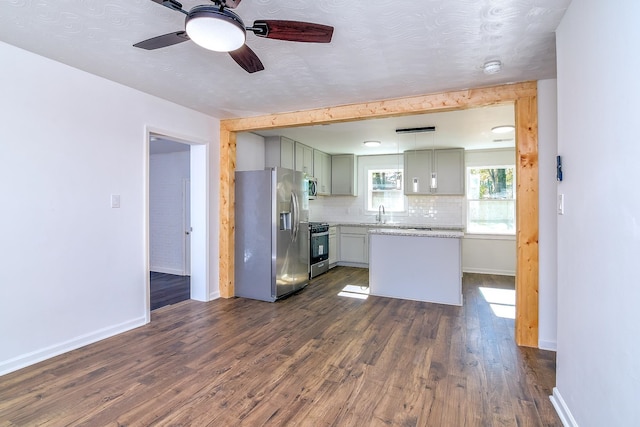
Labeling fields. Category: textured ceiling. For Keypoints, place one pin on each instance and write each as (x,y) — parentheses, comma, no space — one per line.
(380,49)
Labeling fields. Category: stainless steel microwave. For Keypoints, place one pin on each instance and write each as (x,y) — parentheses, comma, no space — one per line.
(312,187)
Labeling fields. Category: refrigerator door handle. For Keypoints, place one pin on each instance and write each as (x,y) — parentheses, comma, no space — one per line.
(295,215)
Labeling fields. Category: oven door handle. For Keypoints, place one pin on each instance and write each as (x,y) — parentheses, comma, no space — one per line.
(324,233)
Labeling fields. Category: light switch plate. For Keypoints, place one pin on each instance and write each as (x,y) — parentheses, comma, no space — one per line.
(560,204)
(115,200)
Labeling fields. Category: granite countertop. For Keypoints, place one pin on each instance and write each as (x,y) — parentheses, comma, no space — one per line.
(400,226)
(402,229)
(417,232)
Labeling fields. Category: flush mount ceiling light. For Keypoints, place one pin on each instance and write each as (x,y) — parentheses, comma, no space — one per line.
(372,143)
(215,29)
(492,67)
(503,129)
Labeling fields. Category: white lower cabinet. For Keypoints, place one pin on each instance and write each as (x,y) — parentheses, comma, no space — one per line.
(354,245)
(333,246)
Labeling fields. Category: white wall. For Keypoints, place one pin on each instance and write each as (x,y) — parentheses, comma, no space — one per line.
(547,231)
(491,157)
(489,255)
(598,359)
(249,152)
(73,269)
(167,174)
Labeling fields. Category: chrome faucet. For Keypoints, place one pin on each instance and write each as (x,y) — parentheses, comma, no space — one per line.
(380,213)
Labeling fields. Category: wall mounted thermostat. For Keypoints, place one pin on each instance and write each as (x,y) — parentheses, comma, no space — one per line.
(559,168)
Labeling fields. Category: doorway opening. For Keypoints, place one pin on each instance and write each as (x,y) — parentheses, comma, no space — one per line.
(522,95)
(176,188)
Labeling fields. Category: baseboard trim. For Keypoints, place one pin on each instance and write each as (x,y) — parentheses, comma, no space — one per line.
(547,345)
(352,264)
(561,408)
(214,295)
(34,357)
(164,270)
(488,271)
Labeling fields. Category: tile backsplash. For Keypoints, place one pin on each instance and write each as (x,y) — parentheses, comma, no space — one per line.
(436,210)
(427,210)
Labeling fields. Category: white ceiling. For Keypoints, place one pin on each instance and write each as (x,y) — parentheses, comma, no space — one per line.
(380,49)
(469,129)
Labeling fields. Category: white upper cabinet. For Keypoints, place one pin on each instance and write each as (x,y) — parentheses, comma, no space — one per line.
(418,165)
(434,172)
(449,169)
(343,175)
(304,158)
(279,152)
(322,171)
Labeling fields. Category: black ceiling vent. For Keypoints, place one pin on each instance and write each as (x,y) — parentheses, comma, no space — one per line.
(417,130)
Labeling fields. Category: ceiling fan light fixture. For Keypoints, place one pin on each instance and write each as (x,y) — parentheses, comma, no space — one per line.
(503,129)
(215,29)
(371,143)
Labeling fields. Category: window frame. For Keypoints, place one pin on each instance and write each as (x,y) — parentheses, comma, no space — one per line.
(368,190)
(469,200)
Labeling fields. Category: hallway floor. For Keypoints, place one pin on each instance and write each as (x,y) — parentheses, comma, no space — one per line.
(167,289)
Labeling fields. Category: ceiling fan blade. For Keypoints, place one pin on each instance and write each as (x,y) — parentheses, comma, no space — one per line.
(171,4)
(295,31)
(163,40)
(247,59)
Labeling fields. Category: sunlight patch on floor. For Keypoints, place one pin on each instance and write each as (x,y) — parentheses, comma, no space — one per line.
(353,291)
(501,301)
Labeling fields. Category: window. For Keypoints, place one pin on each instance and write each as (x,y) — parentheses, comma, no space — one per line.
(384,187)
(491,205)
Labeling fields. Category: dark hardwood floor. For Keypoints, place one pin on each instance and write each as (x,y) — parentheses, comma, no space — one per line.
(167,289)
(314,359)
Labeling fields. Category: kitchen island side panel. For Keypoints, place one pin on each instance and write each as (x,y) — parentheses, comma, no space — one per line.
(416,268)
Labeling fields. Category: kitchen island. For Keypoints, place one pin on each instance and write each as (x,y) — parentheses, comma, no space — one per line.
(416,264)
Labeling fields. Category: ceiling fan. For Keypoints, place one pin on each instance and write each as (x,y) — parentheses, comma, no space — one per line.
(217,28)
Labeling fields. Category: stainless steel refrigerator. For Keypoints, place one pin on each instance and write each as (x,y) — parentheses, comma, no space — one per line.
(271,233)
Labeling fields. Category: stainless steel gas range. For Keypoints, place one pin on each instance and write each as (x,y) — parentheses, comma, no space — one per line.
(319,248)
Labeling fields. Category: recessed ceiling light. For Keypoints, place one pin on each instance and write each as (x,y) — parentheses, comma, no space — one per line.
(371,143)
(503,129)
(492,67)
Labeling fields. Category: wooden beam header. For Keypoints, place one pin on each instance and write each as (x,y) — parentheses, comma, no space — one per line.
(449,101)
